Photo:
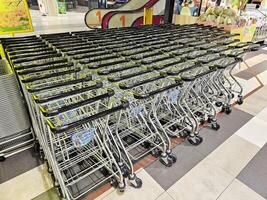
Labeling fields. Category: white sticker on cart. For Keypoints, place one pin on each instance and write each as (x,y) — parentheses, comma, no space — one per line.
(136,111)
(173,96)
(83,138)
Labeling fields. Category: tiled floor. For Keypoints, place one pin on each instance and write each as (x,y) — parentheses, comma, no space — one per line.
(230,164)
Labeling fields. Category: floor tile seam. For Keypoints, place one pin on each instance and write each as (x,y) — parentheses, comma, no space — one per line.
(226,188)
(260,148)
(170,195)
(207,157)
(250,70)
(249,187)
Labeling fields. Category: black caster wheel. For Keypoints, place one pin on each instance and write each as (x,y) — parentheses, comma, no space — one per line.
(184,134)
(202,121)
(199,114)
(124,171)
(173,157)
(232,95)
(209,120)
(223,109)
(196,140)
(155,152)
(2,158)
(41,154)
(215,126)
(59,191)
(121,187)
(240,100)
(36,147)
(228,110)
(104,171)
(146,145)
(218,104)
(114,182)
(135,181)
(166,161)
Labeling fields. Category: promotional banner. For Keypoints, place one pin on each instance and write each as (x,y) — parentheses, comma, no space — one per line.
(15,17)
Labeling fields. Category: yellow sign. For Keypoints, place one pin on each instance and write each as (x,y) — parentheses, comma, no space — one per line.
(246,33)
(14,17)
(148,15)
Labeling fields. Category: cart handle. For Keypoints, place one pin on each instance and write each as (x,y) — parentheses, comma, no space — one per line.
(181,70)
(39,53)
(107,64)
(51,75)
(120,78)
(133,53)
(14,53)
(223,66)
(123,106)
(230,42)
(199,55)
(106,71)
(96,60)
(42,64)
(21,44)
(37,58)
(69,82)
(155,60)
(63,109)
(90,54)
(66,94)
(33,70)
(188,79)
(169,64)
(125,87)
(23,48)
(147,95)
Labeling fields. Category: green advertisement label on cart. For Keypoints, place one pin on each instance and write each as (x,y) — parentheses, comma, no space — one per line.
(61,6)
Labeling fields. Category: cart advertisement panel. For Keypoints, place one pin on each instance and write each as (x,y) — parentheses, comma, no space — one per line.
(15,17)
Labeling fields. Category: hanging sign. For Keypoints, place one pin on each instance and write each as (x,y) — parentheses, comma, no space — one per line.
(14,17)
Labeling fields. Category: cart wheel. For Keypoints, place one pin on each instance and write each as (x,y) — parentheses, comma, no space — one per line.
(202,121)
(215,126)
(121,187)
(114,182)
(228,110)
(218,104)
(209,120)
(184,134)
(195,140)
(104,171)
(223,109)
(166,161)
(125,171)
(173,157)
(155,152)
(232,95)
(138,183)
(59,191)
(135,181)
(2,158)
(199,114)
(146,145)
(36,147)
(240,100)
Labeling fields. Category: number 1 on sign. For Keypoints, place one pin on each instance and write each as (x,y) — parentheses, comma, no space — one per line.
(98,14)
(122,19)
